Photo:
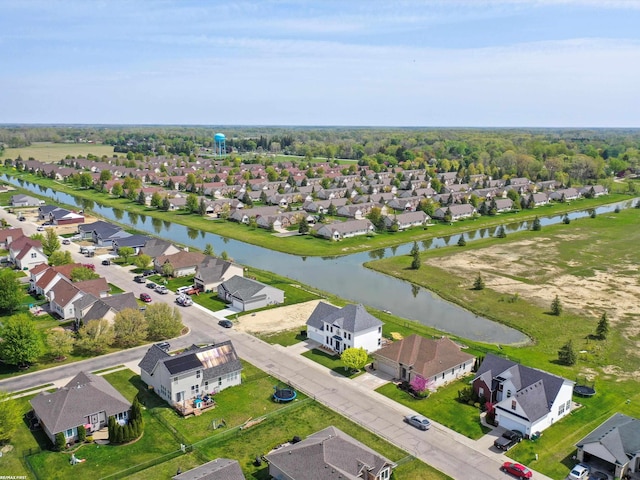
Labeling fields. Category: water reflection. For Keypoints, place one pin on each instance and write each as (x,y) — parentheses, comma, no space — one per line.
(415,290)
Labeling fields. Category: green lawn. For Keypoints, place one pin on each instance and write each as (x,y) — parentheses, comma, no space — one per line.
(210,301)
(332,362)
(443,407)
(285,338)
(114,289)
(54,152)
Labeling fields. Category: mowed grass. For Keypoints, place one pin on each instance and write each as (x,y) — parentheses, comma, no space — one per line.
(442,406)
(54,152)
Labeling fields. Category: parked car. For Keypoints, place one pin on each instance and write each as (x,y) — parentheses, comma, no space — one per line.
(162,289)
(40,228)
(418,421)
(599,476)
(151,285)
(139,279)
(225,323)
(188,290)
(517,470)
(106,261)
(509,439)
(164,346)
(579,472)
(184,300)
(22,219)
(146,273)
(66,241)
(145,297)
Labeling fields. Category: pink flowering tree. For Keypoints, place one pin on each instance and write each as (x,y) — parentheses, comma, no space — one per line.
(421,385)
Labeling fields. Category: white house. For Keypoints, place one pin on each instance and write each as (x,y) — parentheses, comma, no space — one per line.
(341,328)
(524,398)
(193,373)
(340,230)
(213,271)
(25,253)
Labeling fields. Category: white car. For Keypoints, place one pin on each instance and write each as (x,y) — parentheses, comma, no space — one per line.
(579,472)
(40,228)
(162,289)
(184,300)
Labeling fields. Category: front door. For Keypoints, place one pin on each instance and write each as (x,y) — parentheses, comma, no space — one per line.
(403,373)
(337,345)
(95,422)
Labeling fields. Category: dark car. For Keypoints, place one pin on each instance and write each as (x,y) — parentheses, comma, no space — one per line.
(164,346)
(106,261)
(139,279)
(418,421)
(517,470)
(146,273)
(151,285)
(145,297)
(509,439)
(225,323)
(599,476)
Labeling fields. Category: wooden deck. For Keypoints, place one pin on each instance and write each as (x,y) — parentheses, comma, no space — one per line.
(188,409)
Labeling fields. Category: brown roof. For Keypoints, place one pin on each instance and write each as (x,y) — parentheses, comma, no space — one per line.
(63,292)
(50,273)
(14,233)
(182,259)
(428,357)
(19,244)
(95,286)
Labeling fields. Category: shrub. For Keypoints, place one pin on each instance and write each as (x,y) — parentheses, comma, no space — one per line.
(82,433)
(61,442)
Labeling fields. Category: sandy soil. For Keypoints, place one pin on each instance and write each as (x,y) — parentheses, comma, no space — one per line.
(277,319)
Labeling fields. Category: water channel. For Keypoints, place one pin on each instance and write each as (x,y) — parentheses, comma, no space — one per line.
(344,276)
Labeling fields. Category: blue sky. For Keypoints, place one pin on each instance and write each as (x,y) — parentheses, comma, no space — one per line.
(480,63)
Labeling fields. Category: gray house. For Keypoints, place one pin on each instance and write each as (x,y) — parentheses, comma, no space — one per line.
(218,469)
(328,454)
(87,400)
(616,443)
(246,294)
(213,271)
(25,201)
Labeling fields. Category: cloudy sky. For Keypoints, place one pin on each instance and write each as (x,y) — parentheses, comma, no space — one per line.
(550,63)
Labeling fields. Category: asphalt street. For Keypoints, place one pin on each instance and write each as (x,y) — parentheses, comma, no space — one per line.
(444,449)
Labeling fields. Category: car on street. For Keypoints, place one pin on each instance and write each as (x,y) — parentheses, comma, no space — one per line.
(162,289)
(517,470)
(145,297)
(146,273)
(66,241)
(151,285)
(106,261)
(509,439)
(164,346)
(184,300)
(40,228)
(225,323)
(418,421)
(579,472)
(139,279)
(22,219)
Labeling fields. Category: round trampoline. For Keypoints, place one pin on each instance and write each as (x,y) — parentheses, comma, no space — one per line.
(283,393)
(584,390)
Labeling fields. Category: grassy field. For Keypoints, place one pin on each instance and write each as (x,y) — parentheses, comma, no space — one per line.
(157,455)
(54,152)
(307,245)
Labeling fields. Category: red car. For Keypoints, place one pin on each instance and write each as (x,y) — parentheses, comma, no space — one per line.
(145,297)
(517,470)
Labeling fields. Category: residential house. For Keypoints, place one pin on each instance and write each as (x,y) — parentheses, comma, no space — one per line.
(195,372)
(212,271)
(90,307)
(341,328)
(593,191)
(62,216)
(87,400)
(99,232)
(22,200)
(328,454)
(360,211)
(407,220)
(615,443)
(218,469)
(44,210)
(438,361)
(564,195)
(456,211)
(524,398)
(137,242)
(348,229)
(63,295)
(247,294)
(184,263)
(42,277)
(156,247)
(8,235)
(538,199)
(25,253)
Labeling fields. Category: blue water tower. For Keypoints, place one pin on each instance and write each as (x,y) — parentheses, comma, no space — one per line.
(219,148)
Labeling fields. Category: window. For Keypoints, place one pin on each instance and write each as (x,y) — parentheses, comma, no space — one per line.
(197,373)
(384,475)
(206,385)
(561,409)
(379,329)
(33,255)
(452,370)
(568,406)
(175,379)
(508,393)
(69,433)
(513,404)
(219,381)
(379,341)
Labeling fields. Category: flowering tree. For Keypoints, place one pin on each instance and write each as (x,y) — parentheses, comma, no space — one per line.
(420,385)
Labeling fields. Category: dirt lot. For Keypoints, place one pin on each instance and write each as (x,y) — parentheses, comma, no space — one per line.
(277,319)
(31,215)
(531,270)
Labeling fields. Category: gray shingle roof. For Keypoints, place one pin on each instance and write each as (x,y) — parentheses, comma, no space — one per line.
(156,247)
(153,356)
(617,440)
(321,311)
(132,241)
(102,305)
(352,318)
(84,395)
(212,269)
(218,469)
(327,455)
(242,288)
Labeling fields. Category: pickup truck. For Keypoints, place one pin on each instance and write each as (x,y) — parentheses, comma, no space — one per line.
(508,439)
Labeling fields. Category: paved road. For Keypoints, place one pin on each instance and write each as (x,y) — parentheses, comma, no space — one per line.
(440,447)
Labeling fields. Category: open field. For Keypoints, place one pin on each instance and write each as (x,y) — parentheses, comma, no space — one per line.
(54,152)
(591,264)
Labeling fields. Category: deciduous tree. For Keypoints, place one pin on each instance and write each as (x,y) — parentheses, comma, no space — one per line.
(10,417)
(51,242)
(95,337)
(10,291)
(60,258)
(163,321)
(21,341)
(125,253)
(142,261)
(208,249)
(80,274)
(130,326)
(60,343)
(354,358)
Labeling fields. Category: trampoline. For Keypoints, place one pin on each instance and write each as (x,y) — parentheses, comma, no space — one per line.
(283,393)
(584,390)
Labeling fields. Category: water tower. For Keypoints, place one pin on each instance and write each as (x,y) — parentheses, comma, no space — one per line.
(220,147)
